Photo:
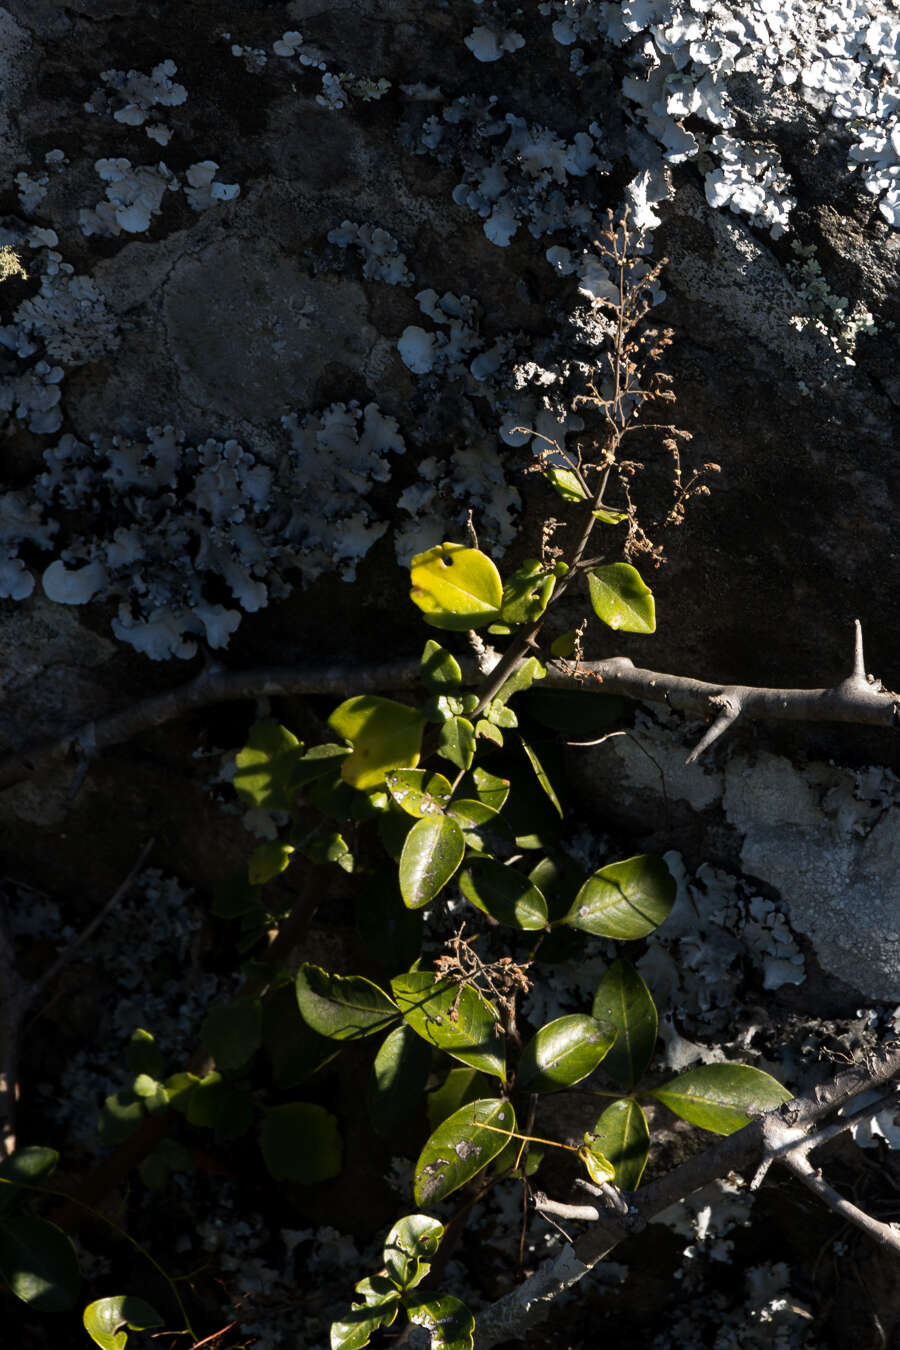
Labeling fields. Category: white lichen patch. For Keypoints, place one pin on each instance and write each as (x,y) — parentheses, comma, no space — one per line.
(382,259)
(134,195)
(486,45)
(131,98)
(439,501)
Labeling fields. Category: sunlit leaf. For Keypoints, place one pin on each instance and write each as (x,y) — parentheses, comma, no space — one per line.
(453,1018)
(623,999)
(521,679)
(268,861)
(608,517)
(456,587)
(342,1007)
(599,1167)
(440,671)
(620,598)
(625,900)
(356,1327)
(384,735)
(410,1245)
(488,788)
(433,851)
(457,742)
(622,1137)
(460,1086)
(484,829)
(301,1142)
(108,1320)
(461,1147)
(526,593)
(563,1052)
(541,776)
(38,1262)
(263,767)
(507,895)
(446,1319)
(418,792)
(721,1097)
(567,484)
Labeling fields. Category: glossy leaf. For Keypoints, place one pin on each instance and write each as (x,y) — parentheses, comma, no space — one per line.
(418,792)
(263,767)
(38,1262)
(440,671)
(457,742)
(488,732)
(721,1097)
(599,1167)
(108,1320)
(410,1246)
(488,788)
(567,484)
(232,1032)
(484,829)
(461,1147)
(356,1327)
(609,517)
(526,593)
(453,1018)
(447,1320)
(28,1166)
(625,900)
(398,1079)
(343,1007)
(455,587)
(542,777)
(384,735)
(623,999)
(268,861)
(301,1142)
(433,851)
(620,598)
(460,1086)
(563,1052)
(622,1136)
(521,679)
(507,895)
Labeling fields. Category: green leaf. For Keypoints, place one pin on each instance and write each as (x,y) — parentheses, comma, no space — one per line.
(268,861)
(622,1136)
(384,735)
(142,1055)
(447,1320)
(328,848)
(108,1320)
(453,1018)
(295,1051)
(507,895)
(462,1147)
(620,598)
(120,1115)
(721,1097)
(418,792)
(433,851)
(398,1079)
(456,588)
(440,671)
(527,593)
(355,1329)
(566,483)
(301,1142)
(489,732)
(521,679)
(410,1245)
(232,1032)
(563,647)
(318,761)
(484,829)
(488,788)
(343,1007)
(178,1088)
(625,900)
(599,1168)
(376,1289)
(623,999)
(608,517)
(499,715)
(563,1052)
(27,1166)
(263,767)
(168,1156)
(38,1262)
(457,742)
(216,1104)
(542,777)
(460,1086)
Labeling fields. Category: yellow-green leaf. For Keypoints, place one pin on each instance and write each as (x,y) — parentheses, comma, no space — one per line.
(621,599)
(384,735)
(456,587)
(721,1097)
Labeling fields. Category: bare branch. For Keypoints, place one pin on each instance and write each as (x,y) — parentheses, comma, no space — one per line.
(510,1317)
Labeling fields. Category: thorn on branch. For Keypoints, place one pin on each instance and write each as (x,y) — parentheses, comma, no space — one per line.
(730,712)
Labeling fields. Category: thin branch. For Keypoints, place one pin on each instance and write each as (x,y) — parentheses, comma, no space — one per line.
(857,700)
(510,1317)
